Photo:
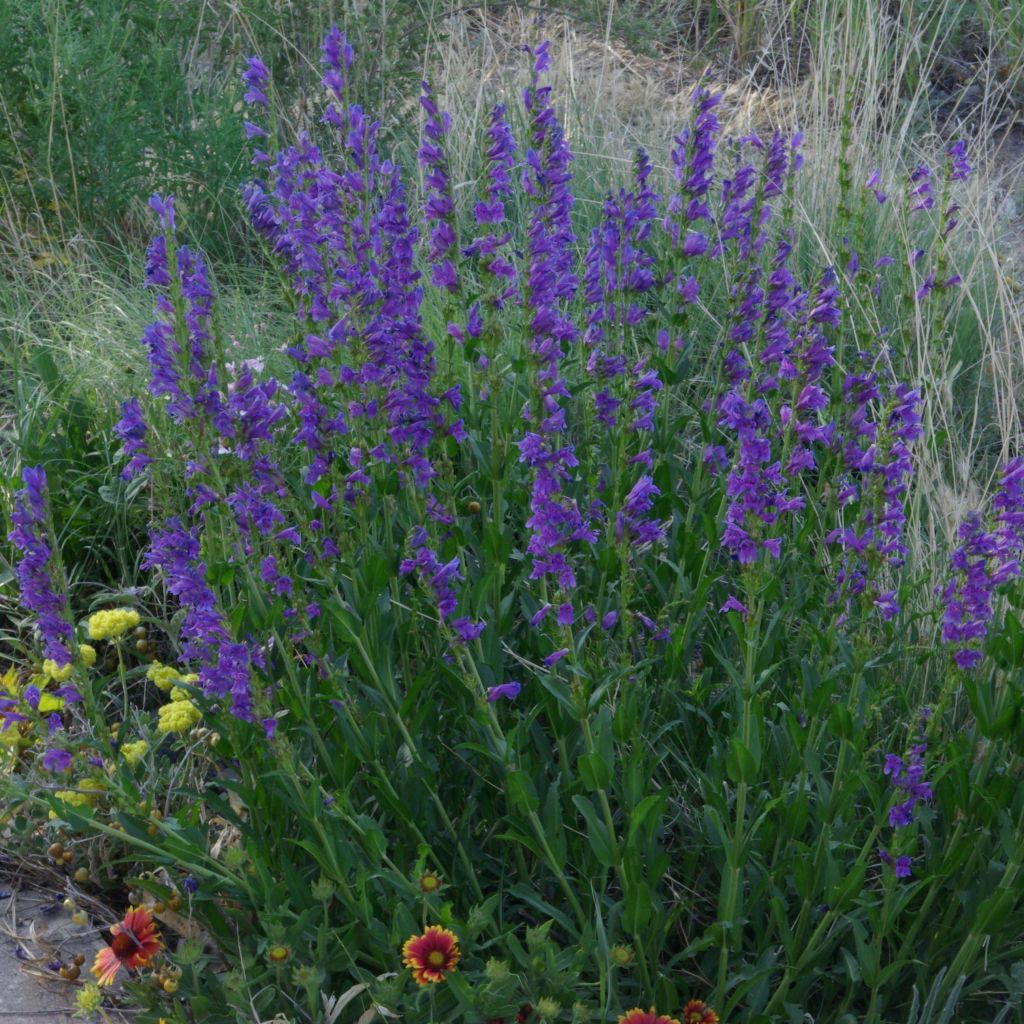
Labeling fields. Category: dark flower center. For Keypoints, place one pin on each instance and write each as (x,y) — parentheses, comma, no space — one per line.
(123,945)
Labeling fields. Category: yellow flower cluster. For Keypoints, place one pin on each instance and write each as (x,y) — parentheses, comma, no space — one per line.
(78,798)
(112,623)
(88,655)
(162,676)
(178,716)
(57,673)
(134,752)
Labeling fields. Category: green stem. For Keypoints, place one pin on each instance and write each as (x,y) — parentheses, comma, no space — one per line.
(730,918)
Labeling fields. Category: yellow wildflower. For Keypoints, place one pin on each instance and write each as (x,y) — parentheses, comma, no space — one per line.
(163,676)
(10,736)
(88,655)
(73,798)
(111,623)
(178,693)
(178,716)
(57,673)
(89,998)
(134,752)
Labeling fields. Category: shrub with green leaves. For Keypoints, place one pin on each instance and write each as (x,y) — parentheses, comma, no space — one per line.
(541,638)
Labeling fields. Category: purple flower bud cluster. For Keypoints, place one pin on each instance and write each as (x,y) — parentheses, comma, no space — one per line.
(987,557)
(39,576)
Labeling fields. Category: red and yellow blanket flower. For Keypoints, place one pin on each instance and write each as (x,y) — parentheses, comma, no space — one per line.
(134,944)
(432,955)
(651,1016)
(696,1011)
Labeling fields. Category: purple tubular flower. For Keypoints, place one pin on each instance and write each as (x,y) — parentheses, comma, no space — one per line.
(872,183)
(555,656)
(508,691)
(618,271)
(633,522)
(36,569)
(56,760)
(466,630)
(501,153)
(131,429)
(733,604)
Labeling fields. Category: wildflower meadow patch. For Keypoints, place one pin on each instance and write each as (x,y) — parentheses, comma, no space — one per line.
(534,633)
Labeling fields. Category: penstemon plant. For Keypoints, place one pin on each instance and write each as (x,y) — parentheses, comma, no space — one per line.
(542,639)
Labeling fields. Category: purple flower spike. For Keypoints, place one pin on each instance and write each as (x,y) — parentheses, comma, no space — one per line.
(921,194)
(989,556)
(256,76)
(36,573)
(959,168)
(438,206)
(132,430)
